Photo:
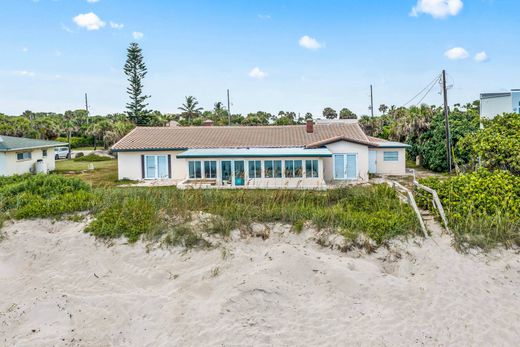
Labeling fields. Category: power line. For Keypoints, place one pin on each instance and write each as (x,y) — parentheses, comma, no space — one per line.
(428,86)
(425,95)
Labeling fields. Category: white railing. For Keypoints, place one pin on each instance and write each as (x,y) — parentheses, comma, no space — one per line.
(436,201)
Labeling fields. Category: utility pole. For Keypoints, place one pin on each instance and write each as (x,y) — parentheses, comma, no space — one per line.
(446,121)
(371,101)
(228,108)
(86,103)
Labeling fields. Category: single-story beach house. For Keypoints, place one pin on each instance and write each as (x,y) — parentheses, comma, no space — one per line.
(20,155)
(297,156)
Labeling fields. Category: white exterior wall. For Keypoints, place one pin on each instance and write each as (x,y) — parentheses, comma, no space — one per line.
(9,165)
(492,107)
(390,167)
(129,165)
(343,147)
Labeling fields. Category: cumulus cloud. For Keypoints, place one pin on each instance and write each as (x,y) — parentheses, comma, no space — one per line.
(456,53)
(115,25)
(437,8)
(309,43)
(257,73)
(137,35)
(481,57)
(90,21)
(92,1)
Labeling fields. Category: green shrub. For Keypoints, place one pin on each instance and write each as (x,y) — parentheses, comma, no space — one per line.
(483,207)
(30,196)
(497,145)
(91,158)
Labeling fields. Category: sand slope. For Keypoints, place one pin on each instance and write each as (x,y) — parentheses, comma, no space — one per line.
(59,286)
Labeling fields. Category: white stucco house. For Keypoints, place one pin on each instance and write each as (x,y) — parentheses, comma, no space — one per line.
(20,155)
(309,156)
(493,104)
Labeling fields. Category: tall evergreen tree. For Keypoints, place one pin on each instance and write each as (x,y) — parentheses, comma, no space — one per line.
(135,69)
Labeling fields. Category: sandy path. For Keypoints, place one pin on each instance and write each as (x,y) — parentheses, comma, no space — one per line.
(58,286)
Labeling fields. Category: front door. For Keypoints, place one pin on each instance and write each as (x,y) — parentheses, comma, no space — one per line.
(372,165)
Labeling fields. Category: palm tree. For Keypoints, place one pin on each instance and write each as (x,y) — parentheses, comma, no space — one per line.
(190,107)
(218,107)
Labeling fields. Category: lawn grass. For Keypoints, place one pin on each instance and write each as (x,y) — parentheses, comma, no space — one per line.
(103,175)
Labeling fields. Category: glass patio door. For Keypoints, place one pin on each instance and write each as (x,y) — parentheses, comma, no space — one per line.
(239,172)
(156,167)
(227,173)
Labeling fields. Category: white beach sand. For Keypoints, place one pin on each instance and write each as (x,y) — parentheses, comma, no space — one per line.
(61,287)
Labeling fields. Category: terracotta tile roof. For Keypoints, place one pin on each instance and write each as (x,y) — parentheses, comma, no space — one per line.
(152,138)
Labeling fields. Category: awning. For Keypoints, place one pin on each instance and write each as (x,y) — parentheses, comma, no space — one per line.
(254,152)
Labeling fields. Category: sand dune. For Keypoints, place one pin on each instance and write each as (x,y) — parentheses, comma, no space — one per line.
(59,286)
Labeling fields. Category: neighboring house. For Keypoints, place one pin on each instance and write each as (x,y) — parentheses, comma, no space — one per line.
(493,104)
(19,155)
(296,156)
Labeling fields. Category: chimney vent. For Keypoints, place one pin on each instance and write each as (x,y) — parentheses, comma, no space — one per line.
(207,123)
(310,126)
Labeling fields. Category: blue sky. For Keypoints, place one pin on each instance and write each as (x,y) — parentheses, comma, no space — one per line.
(273,55)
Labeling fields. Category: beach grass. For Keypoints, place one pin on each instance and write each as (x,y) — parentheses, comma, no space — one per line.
(166,213)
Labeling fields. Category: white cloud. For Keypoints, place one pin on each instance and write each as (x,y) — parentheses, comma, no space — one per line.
(456,53)
(115,25)
(264,16)
(24,73)
(437,8)
(57,53)
(25,49)
(90,21)
(481,57)
(309,42)
(92,1)
(257,73)
(137,35)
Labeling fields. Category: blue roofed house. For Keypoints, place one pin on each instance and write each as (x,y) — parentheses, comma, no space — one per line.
(20,155)
(310,156)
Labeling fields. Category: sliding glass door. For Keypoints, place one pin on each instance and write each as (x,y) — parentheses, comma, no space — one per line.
(345,166)
(156,167)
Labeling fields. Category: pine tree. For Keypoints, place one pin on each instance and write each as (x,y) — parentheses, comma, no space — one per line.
(135,69)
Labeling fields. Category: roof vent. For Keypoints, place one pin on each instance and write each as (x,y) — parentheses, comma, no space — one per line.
(207,123)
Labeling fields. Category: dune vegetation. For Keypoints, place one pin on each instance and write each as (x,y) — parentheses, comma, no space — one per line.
(166,212)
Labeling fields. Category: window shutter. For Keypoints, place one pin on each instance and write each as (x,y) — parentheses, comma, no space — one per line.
(169,166)
(142,166)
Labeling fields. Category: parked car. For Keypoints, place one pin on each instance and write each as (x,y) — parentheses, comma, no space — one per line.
(61,153)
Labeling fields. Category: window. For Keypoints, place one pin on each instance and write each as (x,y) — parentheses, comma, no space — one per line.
(23,156)
(311,168)
(345,166)
(293,168)
(210,169)
(44,153)
(156,166)
(273,169)
(195,169)
(391,156)
(255,169)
